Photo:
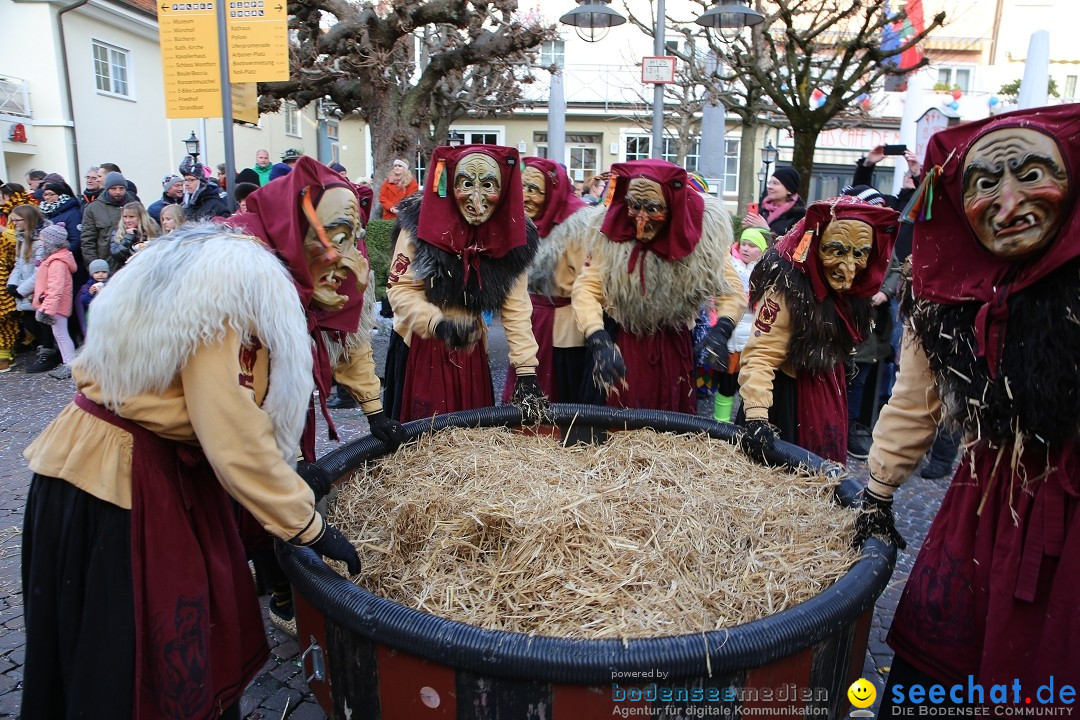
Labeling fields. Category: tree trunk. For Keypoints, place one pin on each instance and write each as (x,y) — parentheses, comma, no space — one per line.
(749,187)
(802,157)
(393,136)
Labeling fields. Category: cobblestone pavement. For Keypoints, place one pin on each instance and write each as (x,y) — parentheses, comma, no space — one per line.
(29,402)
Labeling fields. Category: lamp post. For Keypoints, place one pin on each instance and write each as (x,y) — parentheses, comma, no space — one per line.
(594,15)
(762,176)
(192,146)
(768,157)
(455,139)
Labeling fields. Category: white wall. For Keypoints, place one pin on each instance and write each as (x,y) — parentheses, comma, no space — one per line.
(30,50)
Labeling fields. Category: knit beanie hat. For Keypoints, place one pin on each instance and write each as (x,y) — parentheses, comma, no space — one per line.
(60,188)
(98,265)
(756,236)
(53,237)
(188,166)
(278,170)
(789,177)
(169,180)
(864,193)
(113,179)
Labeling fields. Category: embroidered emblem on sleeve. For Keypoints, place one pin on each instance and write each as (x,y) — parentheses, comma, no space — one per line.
(400,266)
(766,316)
(248,352)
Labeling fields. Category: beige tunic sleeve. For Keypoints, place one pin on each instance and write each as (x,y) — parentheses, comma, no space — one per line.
(238,440)
(587,298)
(764,355)
(517,322)
(357,374)
(906,427)
(413,312)
(732,305)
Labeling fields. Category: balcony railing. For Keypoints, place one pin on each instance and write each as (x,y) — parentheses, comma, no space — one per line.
(14,97)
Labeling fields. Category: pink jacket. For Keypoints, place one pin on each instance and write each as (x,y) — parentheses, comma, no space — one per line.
(52,285)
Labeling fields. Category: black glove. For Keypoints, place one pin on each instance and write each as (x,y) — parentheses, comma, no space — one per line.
(713,348)
(332,544)
(758,436)
(530,398)
(317,479)
(13,291)
(609,370)
(44,318)
(388,431)
(458,336)
(876,518)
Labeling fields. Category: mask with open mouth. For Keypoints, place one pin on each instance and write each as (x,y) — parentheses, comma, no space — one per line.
(1014,185)
(331,262)
(844,251)
(477,187)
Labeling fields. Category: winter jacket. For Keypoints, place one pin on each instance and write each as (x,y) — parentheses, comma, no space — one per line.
(70,213)
(85,297)
(154,210)
(25,272)
(99,224)
(206,203)
(52,286)
(263,173)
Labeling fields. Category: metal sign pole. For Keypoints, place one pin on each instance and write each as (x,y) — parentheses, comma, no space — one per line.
(226,105)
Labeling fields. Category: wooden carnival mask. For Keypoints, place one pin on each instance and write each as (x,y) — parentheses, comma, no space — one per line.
(534,187)
(477,187)
(647,207)
(844,251)
(330,245)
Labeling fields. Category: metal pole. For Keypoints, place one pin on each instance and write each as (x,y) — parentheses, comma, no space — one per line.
(556,130)
(658,89)
(226,105)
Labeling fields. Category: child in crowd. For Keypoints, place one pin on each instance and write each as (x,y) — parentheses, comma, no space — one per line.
(172,217)
(744,256)
(99,275)
(53,292)
(135,229)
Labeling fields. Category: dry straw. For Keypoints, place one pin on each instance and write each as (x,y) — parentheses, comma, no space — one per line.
(648,534)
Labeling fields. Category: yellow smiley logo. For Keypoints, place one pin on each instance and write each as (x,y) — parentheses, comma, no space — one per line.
(861,694)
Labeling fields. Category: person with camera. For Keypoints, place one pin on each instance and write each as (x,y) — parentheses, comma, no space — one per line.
(780,207)
(136,228)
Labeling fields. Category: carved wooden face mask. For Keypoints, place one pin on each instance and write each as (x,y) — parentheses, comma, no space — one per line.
(534,187)
(330,246)
(844,251)
(477,187)
(647,207)
(1015,187)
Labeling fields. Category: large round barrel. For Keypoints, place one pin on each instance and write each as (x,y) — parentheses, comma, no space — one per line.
(368,657)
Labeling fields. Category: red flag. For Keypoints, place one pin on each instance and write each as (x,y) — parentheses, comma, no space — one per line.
(912,27)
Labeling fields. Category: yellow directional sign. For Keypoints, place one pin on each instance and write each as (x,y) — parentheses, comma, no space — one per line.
(189,59)
(258,40)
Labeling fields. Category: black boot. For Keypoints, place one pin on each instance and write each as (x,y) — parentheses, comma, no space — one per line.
(341,399)
(942,454)
(858,440)
(45,360)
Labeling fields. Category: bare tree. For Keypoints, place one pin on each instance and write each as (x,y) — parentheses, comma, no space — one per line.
(803,46)
(409,68)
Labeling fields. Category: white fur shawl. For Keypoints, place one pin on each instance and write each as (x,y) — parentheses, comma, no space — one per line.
(564,237)
(674,291)
(181,292)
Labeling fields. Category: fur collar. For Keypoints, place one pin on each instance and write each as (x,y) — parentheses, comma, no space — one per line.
(1035,396)
(182,292)
(553,247)
(674,291)
(819,341)
(444,273)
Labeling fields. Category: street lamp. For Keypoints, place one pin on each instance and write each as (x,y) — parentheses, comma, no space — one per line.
(730,14)
(456,139)
(192,145)
(592,19)
(762,176)
(768,157)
